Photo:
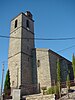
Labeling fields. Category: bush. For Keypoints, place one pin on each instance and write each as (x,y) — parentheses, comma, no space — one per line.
(53,90)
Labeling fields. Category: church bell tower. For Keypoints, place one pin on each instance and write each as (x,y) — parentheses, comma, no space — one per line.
(20,47)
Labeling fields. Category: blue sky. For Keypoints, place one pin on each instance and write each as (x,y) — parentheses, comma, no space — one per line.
(53,19)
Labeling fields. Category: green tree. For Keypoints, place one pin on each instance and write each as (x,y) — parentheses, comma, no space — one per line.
(58,76)
(7,83)
(73,64)
(68,83)
(58,71)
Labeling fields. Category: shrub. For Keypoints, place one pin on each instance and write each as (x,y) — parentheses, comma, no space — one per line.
(53,90)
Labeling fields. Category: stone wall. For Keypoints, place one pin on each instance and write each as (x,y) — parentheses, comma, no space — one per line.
(15,70)
(41,97)
(53,66)
(20,59)
(46,62)
(14,56)
(64,70)
(43,67)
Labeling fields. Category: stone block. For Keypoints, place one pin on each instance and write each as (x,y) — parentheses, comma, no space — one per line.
(16,94)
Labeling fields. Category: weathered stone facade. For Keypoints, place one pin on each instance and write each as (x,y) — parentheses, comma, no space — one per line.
(20,59)
(46,62)
(43,69)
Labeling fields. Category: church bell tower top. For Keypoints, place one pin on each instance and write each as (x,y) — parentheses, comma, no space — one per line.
(28,14)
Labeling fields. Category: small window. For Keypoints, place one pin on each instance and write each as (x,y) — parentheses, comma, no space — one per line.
(27,23)
(15,23)
(38,63)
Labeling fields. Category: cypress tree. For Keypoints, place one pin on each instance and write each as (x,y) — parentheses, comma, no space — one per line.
(68,83)
(7,83)
(68,80)
(73,64)
(58,76)
(58,71)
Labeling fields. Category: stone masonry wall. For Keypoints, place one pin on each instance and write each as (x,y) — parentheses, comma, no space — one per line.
(20,59)
(43,67)
(15,70)
(41,97)
(26,59)
(53,66)
(14,56)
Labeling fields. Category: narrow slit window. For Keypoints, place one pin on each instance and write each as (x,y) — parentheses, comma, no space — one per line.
(38,63)
(27,23)
(15,23)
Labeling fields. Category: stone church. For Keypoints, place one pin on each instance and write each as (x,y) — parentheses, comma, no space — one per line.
(32,68)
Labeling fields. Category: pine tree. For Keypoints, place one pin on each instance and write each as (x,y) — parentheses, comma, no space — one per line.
(7,83)
(73,64)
